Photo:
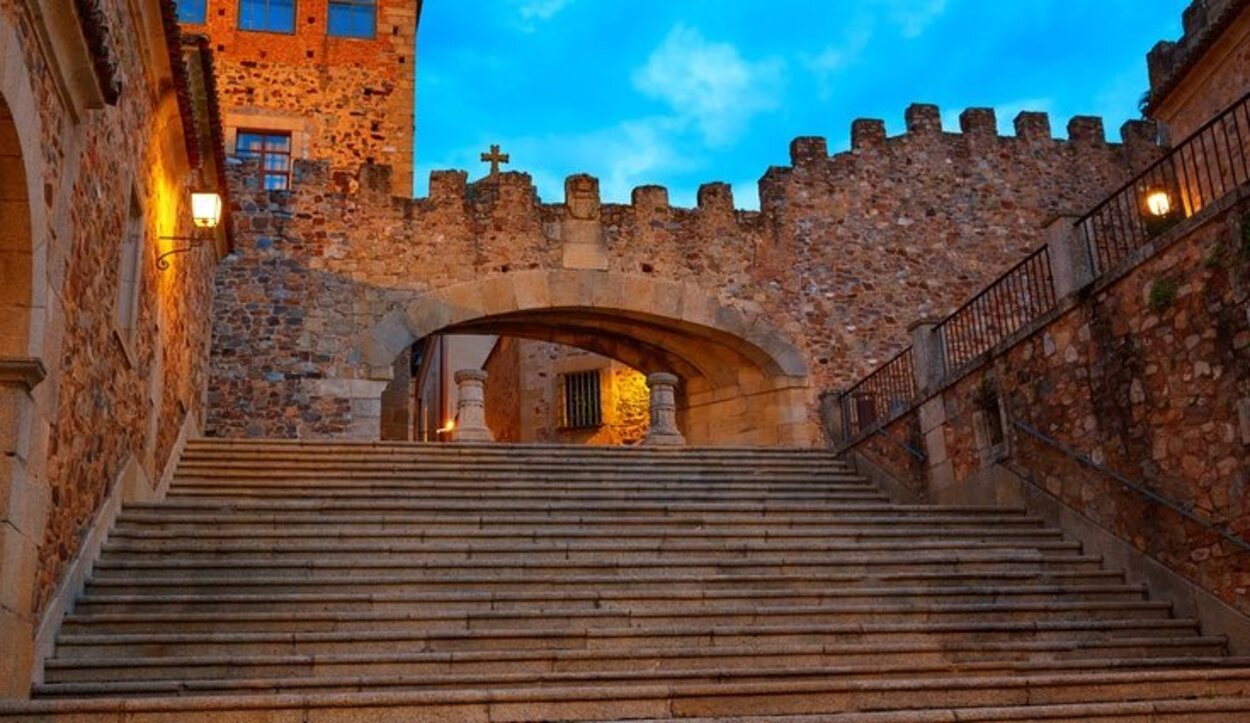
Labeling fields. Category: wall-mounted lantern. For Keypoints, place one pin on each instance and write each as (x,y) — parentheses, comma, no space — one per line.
(1158,202)
(205,215)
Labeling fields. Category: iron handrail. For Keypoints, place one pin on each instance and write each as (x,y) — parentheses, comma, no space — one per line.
(916,453)
(1034,295)
(1114,195)
(1129,484)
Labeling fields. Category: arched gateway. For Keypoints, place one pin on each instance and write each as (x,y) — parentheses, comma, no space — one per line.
(742,382)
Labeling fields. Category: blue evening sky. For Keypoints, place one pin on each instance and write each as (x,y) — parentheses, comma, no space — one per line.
(681,92)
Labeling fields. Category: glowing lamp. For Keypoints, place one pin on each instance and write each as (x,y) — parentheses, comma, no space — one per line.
(1158,203)
(205,215)
(205,209)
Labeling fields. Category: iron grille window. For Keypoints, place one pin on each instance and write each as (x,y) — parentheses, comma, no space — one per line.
(352,18)
(192,11)
(582,408)
(274,152)
(274,16)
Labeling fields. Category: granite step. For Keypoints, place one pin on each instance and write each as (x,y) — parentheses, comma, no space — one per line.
(144,555)
(504,537)
(923,656)
(559,618)
(376,584)
(321,683)
(888,513)
(830,494)
(402,569)
(655,597)
(681,700)
(413,503)
(362,641)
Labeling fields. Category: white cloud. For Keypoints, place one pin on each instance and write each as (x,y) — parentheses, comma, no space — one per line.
(913,17)
(826,64)
(532,12)
(542,9)
(710,84)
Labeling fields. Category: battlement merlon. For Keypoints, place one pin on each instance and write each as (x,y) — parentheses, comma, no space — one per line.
(1168,61)
(977,126)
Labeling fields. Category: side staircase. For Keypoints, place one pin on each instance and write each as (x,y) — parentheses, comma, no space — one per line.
(350,582)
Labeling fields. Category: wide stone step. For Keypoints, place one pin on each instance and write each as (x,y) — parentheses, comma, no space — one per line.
(359,641)
(406,504)
(749,527)
(915,654)
(589,533)
(145,555)
(553,468)
(827,494)
(792,672)
(1068,692)
(505,582)
(606,599)
(526,487)
(864,563)
(557,618)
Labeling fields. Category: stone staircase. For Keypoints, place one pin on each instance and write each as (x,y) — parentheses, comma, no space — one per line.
(305,582)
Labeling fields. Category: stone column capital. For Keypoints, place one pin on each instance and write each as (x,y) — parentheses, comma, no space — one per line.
(470,375)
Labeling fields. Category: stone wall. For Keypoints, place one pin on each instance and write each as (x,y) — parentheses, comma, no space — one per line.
(523,395)
(349,100)
(845,250)
(1205,71)
(115,396)
(1145,374)
(504,390)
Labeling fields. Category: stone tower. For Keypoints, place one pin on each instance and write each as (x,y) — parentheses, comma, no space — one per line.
(314,79)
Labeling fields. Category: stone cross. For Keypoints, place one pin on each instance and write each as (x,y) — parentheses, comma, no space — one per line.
(494,158)
(471,408)
(663,431)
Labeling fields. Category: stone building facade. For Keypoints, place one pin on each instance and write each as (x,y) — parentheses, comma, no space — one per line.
(107,124)
(347,95)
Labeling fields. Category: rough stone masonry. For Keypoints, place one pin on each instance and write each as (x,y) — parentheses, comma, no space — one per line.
(845,250)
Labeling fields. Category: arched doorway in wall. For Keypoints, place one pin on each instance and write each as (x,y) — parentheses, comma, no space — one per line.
(16,249)
(741,381)
(20,371)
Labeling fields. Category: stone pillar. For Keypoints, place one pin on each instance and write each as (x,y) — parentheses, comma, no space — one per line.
(832,417)
(663,430)
(1070,263)
(471,408)
(926,348)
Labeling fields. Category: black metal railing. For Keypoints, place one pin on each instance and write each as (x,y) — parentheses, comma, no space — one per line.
(1017,297)
(879,397)
(1204,167)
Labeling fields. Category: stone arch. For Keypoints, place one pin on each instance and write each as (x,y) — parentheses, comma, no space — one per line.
(743,382)
(24,395)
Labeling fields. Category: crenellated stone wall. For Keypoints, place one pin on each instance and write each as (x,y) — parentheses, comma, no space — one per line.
(1204,71)
(844,251)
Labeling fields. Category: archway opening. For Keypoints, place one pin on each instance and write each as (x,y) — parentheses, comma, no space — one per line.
(15,243)
(740,382)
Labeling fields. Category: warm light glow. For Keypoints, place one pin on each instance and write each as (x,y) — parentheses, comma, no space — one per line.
(205,209)
(451,424)
(1159,203)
